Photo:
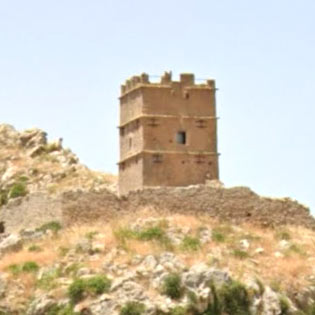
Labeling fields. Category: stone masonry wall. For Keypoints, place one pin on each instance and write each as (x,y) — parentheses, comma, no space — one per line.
(30,212)
(236,205)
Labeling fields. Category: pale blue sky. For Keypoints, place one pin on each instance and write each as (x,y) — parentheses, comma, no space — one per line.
(62,62)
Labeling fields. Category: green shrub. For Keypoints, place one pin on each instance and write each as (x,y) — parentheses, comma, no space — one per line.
(23,179)
(151,233)
(284,305)
(234,299)
(94,286)
(218,235)
(132,308)
(14,269)
(155,233)
(98,284)
(53,226)
(17,190)
(34,248)
(30,266)
(190,243)
(61,310)
(241,254)
(172,286)
(76,291)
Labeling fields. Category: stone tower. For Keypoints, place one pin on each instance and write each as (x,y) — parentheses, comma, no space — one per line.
(168,133)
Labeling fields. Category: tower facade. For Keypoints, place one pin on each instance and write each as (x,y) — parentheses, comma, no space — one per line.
(168,133)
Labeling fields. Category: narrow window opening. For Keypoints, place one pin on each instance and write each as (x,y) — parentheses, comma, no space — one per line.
(181,137)
(130,143)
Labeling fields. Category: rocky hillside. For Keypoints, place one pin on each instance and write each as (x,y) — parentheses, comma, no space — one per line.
(29,163)
(172,265)
(183,251)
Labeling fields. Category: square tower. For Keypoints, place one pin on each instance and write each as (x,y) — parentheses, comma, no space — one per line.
(168,133)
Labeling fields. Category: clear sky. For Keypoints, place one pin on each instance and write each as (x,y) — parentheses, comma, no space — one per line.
(62,62)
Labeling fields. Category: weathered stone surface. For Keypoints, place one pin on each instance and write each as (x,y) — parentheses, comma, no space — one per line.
(12,243)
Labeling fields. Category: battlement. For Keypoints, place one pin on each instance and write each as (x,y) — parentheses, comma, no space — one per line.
(187,80)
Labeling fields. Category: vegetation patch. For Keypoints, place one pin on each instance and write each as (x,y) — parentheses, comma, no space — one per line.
(61,310)
(27,267)
(241,254)
(92,286)
(48,279)
(172,286)
(17,190)
(53,226)
(34,248)
(132,308)
(234,299)
(154,233)
(190,243)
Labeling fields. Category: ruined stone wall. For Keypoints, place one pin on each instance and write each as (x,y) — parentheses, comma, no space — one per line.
(236,205)
(30,212)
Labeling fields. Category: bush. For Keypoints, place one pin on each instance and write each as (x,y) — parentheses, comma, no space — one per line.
(155,233)
(53,226)
(76,291)
(94,286)
(190,243)
(284,305)
(234,299)
(98,284)
(172,286)
(132,308)
(18,190)
(217,236)
(61,310)
(30,266)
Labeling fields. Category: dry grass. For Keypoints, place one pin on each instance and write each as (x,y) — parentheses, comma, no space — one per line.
(290,271)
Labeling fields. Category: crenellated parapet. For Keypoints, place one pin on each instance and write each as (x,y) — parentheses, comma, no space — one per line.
(187,80)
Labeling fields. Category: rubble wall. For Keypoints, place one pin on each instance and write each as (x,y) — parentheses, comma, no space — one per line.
(236,205)
(30,212)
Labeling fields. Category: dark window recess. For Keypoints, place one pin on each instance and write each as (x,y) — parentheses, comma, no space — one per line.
(186,95)
(153,122)
(157,158)
(122,166)
(181,137)
(200,159)
(200,123)
(122,131)
(130,143)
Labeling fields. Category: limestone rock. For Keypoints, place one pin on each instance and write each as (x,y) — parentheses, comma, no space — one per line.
(12,243)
